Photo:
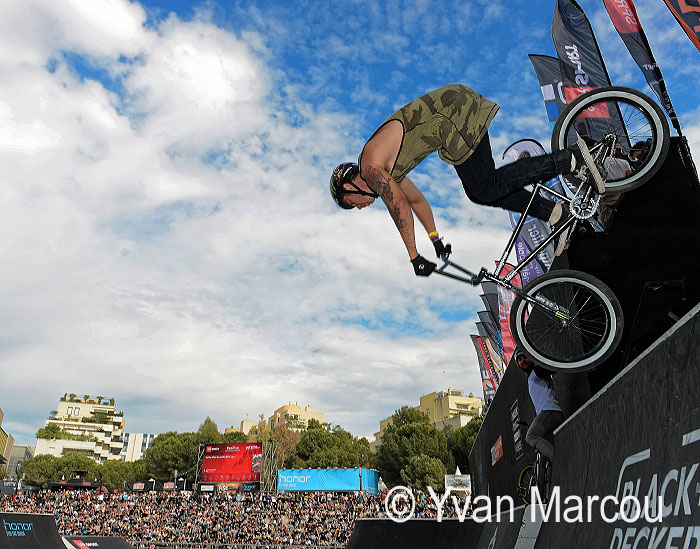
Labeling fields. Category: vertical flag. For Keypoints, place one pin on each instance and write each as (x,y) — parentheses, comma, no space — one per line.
(505,300)
(549,76)
(624,16)
(493,329)
(688,17)
(581,63)
(582,67)
(488,385)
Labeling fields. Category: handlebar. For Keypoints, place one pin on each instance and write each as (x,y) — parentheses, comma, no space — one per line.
(474,279)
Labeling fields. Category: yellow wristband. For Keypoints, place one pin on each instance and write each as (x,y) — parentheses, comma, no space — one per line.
(431,235)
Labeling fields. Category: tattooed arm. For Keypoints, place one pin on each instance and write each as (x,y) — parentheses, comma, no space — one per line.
(419,204)
(381,182)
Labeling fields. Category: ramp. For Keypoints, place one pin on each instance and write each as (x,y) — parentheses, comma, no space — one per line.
(27,531)
(99,542)
(639,436)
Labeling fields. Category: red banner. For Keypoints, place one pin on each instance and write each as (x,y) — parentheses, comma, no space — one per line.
(232,462)
(687,13)
(623,14)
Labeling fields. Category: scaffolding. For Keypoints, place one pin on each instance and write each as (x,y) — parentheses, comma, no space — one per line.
(268,475)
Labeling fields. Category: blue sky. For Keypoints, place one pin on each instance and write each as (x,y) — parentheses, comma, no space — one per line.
(167,235)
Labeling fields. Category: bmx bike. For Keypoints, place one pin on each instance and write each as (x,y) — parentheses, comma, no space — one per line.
(535,475)
(567,320)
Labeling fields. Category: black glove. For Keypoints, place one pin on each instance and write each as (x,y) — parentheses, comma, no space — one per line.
(422,266)
(441,250)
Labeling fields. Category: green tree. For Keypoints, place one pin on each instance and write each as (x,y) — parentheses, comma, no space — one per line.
(286,440)
(51,431)
(70,464)
(139,471)
(39,469)
(409,435)
(405,416)
(234,437)
(363,451)
(422,471)
(208,433)
(322,448)
(262,432)
(313,423)
(171,451)
(462,441)
(113,473)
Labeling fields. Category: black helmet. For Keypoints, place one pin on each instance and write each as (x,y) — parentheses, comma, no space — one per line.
(343,174)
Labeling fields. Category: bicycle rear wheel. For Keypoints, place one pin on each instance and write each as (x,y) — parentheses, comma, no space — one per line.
(628,115)
(586,338)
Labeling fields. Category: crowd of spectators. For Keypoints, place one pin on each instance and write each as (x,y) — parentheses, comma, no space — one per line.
(281,519)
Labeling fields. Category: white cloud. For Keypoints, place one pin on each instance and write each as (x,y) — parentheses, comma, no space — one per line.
(169,240)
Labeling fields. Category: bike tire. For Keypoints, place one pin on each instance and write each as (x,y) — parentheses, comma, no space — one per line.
(588,339)
(525,483)
(641,119)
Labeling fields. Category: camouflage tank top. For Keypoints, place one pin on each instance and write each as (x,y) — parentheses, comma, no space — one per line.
(451,120)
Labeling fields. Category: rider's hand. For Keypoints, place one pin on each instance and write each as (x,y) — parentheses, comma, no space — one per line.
(441,250)
(422,266)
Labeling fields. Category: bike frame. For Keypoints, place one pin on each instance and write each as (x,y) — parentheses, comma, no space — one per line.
(587,202)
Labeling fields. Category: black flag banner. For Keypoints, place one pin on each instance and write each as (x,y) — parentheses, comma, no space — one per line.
(624,16)
(687,13)
(549,76)
(582,67)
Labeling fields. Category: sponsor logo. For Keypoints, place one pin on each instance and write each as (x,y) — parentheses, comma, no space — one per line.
(623,16)
(497,451)
(581,78)
(17,529)
(293,479)
(675,488)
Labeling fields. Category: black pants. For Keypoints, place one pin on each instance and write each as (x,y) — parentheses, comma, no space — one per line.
(503,187)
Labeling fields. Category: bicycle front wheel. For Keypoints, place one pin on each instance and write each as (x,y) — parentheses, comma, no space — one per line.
(525,483)
(632,118)
(582,340)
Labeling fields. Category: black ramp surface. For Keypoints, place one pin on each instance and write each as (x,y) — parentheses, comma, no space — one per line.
(639,436)
(25,531)
(415,534)
(501,532)
(101,542)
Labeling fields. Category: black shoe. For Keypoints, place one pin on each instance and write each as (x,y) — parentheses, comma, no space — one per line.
(584,169)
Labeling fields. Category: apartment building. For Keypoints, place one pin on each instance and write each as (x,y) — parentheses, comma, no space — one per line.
(444,408)
(93,426)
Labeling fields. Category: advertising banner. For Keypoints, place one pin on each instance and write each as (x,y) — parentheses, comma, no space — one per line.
(459,483)
(687,13)
(486,379)
(232,462)
(20,530)
(104,542)
(493,329)
(624,16)
(328,480)
(496,358)
(549,76)
(581,64)
(505,300)
(582,68)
